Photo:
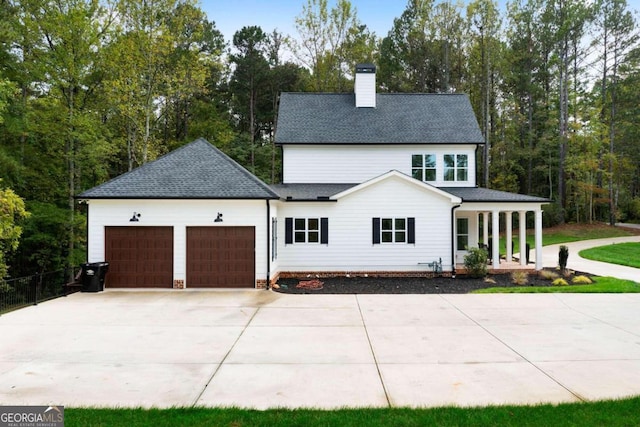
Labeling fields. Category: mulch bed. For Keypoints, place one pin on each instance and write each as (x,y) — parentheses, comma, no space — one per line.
(402,285)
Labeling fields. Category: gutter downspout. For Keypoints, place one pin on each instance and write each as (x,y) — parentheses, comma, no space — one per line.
(453,246)
(268,245)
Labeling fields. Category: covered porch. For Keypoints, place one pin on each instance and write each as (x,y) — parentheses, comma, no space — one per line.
(492,225)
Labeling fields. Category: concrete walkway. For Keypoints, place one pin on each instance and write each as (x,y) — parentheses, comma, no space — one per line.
(260,349)
(576,262)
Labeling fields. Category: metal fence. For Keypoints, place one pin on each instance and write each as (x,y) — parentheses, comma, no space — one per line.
(30,290)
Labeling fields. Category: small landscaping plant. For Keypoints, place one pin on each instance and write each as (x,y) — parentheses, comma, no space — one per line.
(476,262)
(519,278)
(560,282)
(548,274)
(563,256)
(581,280)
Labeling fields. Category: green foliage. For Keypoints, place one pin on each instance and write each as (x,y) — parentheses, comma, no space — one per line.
(12,213)
(332,41)
(45,240)
(475,262)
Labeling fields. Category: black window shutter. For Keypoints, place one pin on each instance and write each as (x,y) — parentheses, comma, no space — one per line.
(288,231)
(376,231)
(324,230)
(411,230)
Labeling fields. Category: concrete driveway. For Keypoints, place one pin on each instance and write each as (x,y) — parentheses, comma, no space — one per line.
(260,349)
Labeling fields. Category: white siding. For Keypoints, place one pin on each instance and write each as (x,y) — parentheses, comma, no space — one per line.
(350,245)
(356,164)
(178,214)
(365,89)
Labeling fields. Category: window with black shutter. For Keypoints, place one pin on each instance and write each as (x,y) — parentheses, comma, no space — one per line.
(394,230)
(306,230)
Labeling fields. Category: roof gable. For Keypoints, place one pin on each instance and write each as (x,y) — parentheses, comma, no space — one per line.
(197,170)
(399,118)
(395,174)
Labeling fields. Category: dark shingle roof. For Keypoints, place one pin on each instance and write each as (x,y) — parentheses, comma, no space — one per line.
(197,170)
(304,192)
(309,191)
(399,118)
(475,194)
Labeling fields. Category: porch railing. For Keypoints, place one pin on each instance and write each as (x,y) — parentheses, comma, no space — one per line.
(31,290)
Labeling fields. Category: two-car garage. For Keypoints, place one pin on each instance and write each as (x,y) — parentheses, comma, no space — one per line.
(216,257)
(192,218)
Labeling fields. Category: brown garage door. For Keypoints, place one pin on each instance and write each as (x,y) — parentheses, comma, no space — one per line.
(221,257)
(139,257)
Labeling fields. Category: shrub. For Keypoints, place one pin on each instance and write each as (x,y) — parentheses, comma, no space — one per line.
(548,275)
(519,278)
(563,256)
(581,280)
(559,282)
(476,262)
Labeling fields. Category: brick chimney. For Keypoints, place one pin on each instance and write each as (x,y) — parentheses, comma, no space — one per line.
(365,86)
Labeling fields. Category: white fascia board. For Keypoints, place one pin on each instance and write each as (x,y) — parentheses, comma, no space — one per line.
(501,206)
(407,178)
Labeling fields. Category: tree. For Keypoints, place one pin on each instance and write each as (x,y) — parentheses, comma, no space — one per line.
(407,54)
(72,34)
(196,52)
(616,26)
(332,41)
(249,81)
(483,17)
(12,211)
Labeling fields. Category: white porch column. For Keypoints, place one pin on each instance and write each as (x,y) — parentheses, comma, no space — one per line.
(485,228)
(495,238)
(538,232)
(522,220)
(509,242)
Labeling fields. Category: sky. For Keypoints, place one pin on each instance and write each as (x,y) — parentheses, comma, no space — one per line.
(231,16)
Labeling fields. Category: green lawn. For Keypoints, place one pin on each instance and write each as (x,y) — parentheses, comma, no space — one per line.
(622,253)
(569,233)
(603,285)
(625,412)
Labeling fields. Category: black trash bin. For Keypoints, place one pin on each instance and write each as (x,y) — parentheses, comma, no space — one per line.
(93,275)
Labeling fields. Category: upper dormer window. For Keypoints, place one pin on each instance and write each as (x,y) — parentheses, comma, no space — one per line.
(423,167)
(456,167)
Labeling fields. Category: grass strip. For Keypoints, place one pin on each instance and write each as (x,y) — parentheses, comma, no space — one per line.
(623,412)
(603,285)
(621,253)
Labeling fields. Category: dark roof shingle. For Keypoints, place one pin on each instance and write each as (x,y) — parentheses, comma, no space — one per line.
(309,191)
(399,118)
(477,194)
(303,192)
(197,170)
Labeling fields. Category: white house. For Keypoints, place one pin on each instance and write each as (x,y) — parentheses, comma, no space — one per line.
(379,184)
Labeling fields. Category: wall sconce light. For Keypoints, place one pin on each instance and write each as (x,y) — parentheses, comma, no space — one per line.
(218,218)
(135,217)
